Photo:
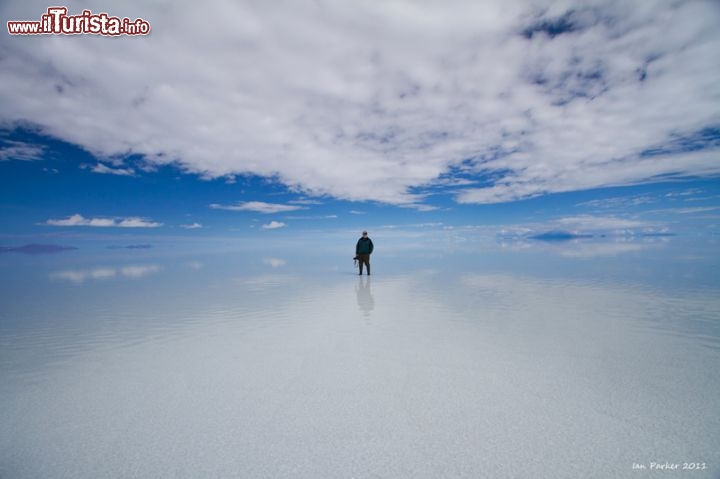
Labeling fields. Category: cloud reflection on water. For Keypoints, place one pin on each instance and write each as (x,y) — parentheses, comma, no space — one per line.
(102,273)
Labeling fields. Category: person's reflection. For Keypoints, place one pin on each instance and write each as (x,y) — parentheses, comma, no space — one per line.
(365,301)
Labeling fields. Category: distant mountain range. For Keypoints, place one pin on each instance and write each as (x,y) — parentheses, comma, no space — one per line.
(36,249)
(567,235)
(559,236)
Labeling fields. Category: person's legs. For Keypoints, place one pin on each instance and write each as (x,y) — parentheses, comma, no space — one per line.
(364,259)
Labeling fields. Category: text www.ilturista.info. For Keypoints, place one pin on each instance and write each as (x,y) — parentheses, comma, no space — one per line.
(57,22)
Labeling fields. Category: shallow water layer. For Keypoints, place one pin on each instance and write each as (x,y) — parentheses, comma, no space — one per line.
(251,365)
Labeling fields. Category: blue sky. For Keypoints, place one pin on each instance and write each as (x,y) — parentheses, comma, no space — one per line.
(245,119)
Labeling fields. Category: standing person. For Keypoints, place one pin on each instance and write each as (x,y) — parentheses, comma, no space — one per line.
(363,250)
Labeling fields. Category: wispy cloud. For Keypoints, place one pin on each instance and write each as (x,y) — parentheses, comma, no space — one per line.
(684,193)
(620,202)
(192,226)
(604,223)
(79,220)
(273,225)
(701,198)
(415,225)
(317,217)
(630,201)
(686,211)
(522,98)
(106,170)
(18,150)
(257,206)
(420,207)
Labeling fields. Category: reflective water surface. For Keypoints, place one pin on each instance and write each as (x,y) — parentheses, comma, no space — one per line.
(553,362)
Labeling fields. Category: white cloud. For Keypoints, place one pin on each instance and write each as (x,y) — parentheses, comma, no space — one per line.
(136,223)
(317,217)
(625,202)
(620,202)
(591,223)
(684,193)
(193,226)
(273,225)
(106,170)
(18,150)
(258,207)
(371,100)
(79,220)
(420,207)
(686,211)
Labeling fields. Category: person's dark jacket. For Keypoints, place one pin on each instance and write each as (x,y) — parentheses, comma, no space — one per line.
(364,246)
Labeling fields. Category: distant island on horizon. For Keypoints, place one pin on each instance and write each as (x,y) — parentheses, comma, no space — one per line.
(36,249)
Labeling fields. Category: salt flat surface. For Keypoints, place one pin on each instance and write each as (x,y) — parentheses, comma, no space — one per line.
(186,369)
